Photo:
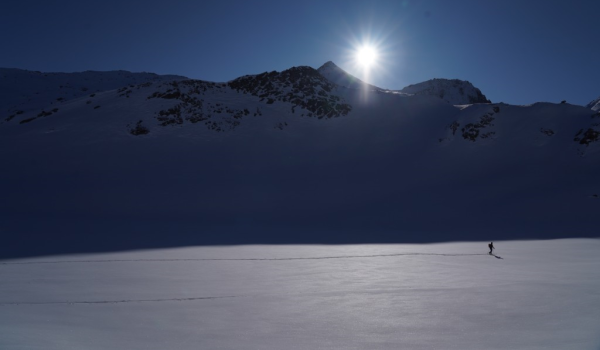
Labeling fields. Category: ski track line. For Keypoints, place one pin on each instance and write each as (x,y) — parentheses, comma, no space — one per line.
(110,301)
(225,259)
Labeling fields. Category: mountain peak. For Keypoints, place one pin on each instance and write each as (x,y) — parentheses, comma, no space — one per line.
(328,64)
(338,76)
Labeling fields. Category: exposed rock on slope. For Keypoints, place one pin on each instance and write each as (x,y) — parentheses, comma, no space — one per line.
(219,106)
(303,87)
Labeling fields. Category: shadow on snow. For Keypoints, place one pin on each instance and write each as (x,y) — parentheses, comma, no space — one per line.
(45,237)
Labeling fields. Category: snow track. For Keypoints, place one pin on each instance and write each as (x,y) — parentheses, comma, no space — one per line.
(223,259)
(110,301)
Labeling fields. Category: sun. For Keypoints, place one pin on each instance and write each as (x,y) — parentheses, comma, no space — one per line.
(366,56)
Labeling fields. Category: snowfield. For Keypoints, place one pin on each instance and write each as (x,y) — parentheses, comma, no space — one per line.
(531,295)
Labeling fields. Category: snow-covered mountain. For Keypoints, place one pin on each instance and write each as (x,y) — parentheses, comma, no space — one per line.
(290,157)
(24,90)
(595,105)
(454,91)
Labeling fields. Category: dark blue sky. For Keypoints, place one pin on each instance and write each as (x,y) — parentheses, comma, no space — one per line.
(515,51)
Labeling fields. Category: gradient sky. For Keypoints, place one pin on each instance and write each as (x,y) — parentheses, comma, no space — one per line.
(516,52)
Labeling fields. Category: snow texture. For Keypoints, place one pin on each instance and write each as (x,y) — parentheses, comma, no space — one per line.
(530,295)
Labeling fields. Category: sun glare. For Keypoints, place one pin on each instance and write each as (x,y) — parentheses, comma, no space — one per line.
(366,56)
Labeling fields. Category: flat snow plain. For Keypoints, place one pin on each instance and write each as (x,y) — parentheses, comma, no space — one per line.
(538,295)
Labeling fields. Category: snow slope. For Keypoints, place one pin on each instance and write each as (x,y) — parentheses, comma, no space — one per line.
(23,90)
(290,157)
(595,105)
(539,295)
(454,91)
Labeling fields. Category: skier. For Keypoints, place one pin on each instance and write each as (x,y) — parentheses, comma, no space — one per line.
(491,246)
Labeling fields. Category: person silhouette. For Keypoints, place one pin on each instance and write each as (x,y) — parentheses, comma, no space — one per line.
(491,246)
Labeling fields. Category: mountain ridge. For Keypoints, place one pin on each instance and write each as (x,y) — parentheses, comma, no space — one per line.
(594,105)
(24,90)
(454,91)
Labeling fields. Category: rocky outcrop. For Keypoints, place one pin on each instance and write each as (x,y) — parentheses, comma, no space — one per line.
(303,87)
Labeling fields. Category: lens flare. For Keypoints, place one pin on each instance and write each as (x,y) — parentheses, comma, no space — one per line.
(369,50)
(366,56)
